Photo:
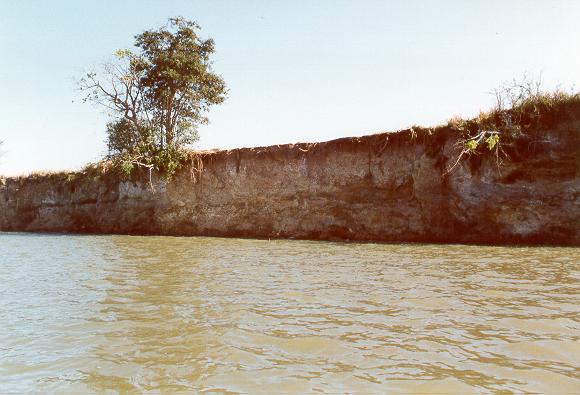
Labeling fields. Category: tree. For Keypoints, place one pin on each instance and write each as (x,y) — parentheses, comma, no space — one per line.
(158,94)
(178,78)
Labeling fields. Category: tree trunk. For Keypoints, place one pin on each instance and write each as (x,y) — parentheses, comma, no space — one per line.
(168,125)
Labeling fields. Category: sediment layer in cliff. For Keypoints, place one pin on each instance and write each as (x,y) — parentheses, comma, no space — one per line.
(384,187)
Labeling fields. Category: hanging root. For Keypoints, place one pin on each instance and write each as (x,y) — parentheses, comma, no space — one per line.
(196,167)
(148,167)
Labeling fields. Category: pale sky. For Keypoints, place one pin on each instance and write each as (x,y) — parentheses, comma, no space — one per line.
(297,70)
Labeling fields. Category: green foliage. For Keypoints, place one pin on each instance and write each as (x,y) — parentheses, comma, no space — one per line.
(166,161)
(123,137)
(492,141)
(157,96)
(127,167)
(471,145)
(178,79)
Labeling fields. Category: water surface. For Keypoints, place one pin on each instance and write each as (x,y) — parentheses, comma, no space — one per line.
(135,314)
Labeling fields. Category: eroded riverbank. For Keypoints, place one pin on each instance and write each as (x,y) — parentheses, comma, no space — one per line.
(385,187)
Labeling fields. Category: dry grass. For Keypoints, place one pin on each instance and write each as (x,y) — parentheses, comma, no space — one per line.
(522,108)
(523,111)
(43,174)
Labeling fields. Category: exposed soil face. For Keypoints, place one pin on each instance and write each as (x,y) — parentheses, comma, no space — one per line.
(384,187)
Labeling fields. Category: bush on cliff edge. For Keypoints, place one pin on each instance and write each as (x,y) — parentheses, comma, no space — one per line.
(522,109)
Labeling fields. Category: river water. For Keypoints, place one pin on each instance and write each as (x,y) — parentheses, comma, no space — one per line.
(99,313)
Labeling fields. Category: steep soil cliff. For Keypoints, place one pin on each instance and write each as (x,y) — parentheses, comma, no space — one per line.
(384,187)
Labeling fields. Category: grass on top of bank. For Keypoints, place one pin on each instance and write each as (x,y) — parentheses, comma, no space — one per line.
(522,111)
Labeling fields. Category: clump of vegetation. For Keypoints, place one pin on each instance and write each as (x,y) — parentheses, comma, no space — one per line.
(522,109)
(157,96)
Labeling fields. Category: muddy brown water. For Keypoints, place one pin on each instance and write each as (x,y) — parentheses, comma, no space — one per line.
(137,314)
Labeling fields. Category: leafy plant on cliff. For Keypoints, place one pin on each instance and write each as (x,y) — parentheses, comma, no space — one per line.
(157,95)
(522,108)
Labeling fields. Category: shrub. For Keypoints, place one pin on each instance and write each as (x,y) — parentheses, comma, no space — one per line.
(522,108)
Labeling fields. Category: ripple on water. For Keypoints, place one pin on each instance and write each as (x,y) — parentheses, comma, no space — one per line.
(95,313)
